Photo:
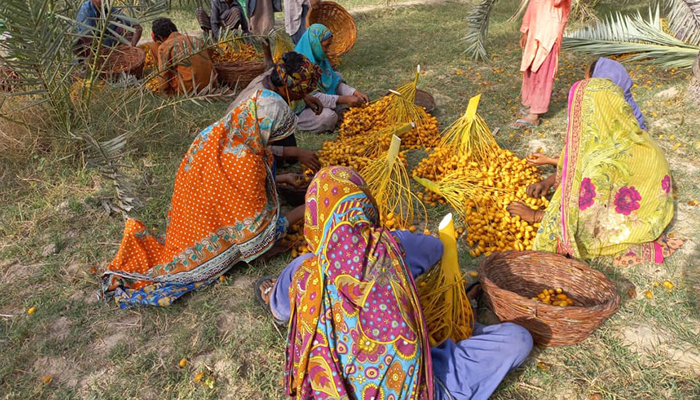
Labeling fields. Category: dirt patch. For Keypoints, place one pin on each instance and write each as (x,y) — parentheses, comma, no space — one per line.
(59,329)
(104,345)
(545,146)
(16,273)
(88,296)
(244,283)
(59,368)
(646,340)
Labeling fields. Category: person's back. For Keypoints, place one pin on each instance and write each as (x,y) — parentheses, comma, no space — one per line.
(189,70)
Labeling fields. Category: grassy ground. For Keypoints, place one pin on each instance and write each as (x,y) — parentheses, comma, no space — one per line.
(55,239)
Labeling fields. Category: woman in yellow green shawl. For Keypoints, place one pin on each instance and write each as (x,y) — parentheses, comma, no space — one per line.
(613,187)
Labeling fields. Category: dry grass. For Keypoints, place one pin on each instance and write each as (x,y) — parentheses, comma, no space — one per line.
(94,350)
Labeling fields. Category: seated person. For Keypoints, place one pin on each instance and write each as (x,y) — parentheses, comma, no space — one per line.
(89,16)
(613,186)
(607,69)
(224,208)
(183,69)
(227,14)
(332,91)
(272,79)
(356,328)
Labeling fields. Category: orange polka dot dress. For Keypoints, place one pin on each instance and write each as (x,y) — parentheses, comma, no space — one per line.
(224,209)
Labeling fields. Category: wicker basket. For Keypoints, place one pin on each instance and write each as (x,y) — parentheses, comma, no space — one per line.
(425,100)
(341,24)
(512,278)
(238,74)
(123,59)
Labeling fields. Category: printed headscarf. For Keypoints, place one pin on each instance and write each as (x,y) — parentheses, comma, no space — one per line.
(310,46)
(356,328)
(301,82)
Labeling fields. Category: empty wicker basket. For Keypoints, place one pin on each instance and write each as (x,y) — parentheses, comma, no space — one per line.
(512,278)
(123,59)
(341,24)
(238,74)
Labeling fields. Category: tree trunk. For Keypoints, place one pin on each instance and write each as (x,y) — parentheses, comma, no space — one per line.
(694,86)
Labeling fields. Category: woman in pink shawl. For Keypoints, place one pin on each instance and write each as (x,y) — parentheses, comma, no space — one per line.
(542,29)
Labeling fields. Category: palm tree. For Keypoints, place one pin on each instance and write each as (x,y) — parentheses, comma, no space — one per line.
(479,18)
(650,40)
(38,51)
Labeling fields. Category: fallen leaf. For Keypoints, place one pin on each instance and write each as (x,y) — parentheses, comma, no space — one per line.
(46,379)
(210,382)
(543,366)
(31,310)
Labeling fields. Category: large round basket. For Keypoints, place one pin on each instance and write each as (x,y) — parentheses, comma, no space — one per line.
(341,24)
(510,280)
(123,59)
(238,74)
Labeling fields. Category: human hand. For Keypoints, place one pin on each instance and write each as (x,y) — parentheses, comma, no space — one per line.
(314,103)
(353,101)
(308,158)
(523,40)
(540,159)
(362,96)
(539,189)
(289,179)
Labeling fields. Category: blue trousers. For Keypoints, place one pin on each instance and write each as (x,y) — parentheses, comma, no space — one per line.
(469,369)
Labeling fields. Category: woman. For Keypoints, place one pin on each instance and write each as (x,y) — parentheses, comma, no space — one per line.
(542,31)
(224,209)
(332,91)
(616,72)
(286,149)
(356,326)
(613,188)
(607,69)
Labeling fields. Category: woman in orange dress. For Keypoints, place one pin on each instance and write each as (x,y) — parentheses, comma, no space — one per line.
(225,207)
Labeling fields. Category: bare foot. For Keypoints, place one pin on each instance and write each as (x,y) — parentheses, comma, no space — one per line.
(524,212)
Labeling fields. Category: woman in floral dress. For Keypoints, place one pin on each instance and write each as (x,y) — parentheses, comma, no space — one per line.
(613,186)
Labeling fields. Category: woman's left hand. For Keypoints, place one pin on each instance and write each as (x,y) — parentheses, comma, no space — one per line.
(362,96)
(314,103)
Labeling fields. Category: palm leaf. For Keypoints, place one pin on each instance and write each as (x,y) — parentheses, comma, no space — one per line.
(633,36)
(684,20)
(477,29)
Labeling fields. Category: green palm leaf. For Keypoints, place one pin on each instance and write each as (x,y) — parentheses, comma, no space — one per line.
(477,29)
(641,40)
(684,20)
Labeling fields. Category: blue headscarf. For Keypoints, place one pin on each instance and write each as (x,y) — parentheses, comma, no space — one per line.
(310,46)
(613,70)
